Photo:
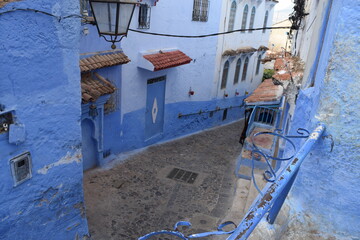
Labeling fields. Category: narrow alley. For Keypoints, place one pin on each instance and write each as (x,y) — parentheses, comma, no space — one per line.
(137,197)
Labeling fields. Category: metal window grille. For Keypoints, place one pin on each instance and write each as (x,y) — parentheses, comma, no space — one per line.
(266,116)
(245,13)
(225,75)
(265,21)
(258,65)
(243,78)
(232,16)
(144,16)
(85,9)
(237,71)
(201,10)
(252,19)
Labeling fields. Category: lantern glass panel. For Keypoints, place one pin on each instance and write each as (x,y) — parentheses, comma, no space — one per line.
(126,11)
(105,14)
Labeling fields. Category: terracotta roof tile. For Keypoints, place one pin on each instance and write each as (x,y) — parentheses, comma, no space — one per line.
(282,76)
(263,48)
(279,64)
(93,86)
(100,61)
(163,60)
(232,52)
(265,92)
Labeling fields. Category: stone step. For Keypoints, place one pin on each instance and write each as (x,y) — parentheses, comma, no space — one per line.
(237,210)
(245,172)
(253,192)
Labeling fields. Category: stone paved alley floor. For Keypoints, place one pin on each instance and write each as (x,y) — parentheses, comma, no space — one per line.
(135,197)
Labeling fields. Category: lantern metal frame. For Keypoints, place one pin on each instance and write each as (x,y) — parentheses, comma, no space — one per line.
(115,37)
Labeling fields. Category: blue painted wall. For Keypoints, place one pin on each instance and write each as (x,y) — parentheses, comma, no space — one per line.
(40,81)
(327,186)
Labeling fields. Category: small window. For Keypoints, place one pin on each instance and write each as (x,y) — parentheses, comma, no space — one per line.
(258,65)
(244,19)
(232,16)
(200,10)
(144,16)
(225,75)
(252,19)
(243,78)
(237,71)
(265,21)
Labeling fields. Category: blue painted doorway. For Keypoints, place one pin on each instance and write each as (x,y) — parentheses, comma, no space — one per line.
(89,145)
(155,103)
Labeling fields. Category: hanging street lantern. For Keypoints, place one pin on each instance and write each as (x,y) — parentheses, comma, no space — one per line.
(112,18)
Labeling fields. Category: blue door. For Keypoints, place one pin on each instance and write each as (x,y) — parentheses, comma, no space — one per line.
(89,145)
(155,102)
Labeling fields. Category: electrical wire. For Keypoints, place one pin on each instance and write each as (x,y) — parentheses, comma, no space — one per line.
(207,35)
(59,18)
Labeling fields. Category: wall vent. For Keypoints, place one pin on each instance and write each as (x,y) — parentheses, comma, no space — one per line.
(225,114)
(21,168)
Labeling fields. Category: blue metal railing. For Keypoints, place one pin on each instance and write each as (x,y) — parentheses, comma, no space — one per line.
(269,201)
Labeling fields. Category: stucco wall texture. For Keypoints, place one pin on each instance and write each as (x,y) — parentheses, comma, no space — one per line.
(327,186)
(40,81)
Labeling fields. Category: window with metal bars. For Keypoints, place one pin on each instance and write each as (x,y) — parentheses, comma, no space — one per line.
(85,9)
(258,65)
(232,16)
(225,75)
(237,71)
(243,78)
(144,16)
(200,10)
(252,19)
(265,21)
(244,18)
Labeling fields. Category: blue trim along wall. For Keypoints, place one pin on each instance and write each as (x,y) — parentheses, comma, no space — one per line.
(40,83)
(327,186)
(132,128)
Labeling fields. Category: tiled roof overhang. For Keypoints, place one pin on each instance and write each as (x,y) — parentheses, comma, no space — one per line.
(263,48)
(163,60)
(267,91)
(103,60)
(94,86)
(238,51)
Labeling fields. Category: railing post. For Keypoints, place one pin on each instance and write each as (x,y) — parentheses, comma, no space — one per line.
(275,209)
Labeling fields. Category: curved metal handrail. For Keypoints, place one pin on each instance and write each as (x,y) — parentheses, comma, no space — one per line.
(270,175)
(177,233)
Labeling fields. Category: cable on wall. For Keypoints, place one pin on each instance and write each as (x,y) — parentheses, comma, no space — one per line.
(207,35)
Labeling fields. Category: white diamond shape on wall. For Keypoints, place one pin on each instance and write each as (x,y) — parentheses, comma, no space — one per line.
(154,111)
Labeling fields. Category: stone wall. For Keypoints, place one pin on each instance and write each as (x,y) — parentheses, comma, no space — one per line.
(326,188)
(40,84)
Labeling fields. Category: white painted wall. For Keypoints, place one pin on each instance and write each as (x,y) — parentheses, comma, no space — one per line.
(239,40)
(306,39)
(172,17)
(279,37)
(203,74)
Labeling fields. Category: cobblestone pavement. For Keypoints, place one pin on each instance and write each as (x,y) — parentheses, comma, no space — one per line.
(135,197)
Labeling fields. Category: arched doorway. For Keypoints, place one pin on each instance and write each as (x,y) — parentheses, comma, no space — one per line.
(89,145)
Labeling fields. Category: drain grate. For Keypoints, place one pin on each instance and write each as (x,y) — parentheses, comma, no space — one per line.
(182,175)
